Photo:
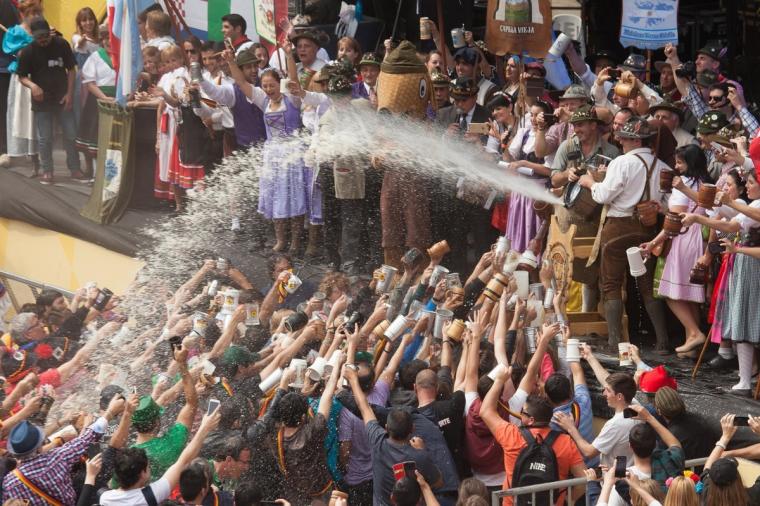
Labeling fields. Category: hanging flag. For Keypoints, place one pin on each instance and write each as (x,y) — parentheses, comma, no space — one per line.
(124,29)
(204,17)
(649,24)
(519,27)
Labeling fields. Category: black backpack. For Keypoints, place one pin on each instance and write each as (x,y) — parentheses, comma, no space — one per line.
(536,464)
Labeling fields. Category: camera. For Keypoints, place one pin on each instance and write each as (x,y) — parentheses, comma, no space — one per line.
(687,70)
(102,299)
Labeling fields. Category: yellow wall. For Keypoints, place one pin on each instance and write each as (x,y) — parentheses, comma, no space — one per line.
(61,13)
(60,260)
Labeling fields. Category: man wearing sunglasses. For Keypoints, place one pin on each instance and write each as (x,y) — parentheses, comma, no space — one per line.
(726,96)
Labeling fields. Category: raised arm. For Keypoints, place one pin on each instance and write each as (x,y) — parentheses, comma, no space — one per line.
(325,402)
(599,371)
(667,437)
(390,372)
(488,411)
(528,382)
(187,413)
(208,424)
(349,373)
(224,341)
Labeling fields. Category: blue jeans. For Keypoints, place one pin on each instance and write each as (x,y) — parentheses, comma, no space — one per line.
(44,120)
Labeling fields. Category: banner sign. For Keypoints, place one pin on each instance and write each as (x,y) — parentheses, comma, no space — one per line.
(649,24)
(519,27)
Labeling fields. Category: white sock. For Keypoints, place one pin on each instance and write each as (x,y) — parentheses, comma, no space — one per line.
(235,223)
(745,352)
(727,353)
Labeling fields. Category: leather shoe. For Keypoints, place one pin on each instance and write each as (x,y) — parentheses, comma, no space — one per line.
(718,362)
(739,392)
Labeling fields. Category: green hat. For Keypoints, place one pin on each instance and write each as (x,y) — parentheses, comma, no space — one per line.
(440,79)
(369,58)
(706,78)
(463,87)
(713,50)
(668,105)
(246,57)
(635,128)
(147,411)
(585,113)
(318,37)
(575,91)
(724,136)
(364,356)
(236,356)
(711,122)
(403,60)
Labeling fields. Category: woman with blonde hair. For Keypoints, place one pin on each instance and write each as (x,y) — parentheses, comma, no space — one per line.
(683,493)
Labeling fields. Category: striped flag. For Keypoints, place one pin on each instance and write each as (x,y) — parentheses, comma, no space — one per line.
(205,16)
(123,22)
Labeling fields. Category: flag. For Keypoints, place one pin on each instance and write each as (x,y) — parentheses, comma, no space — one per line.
(649,25)
(123,25)
(204,17)
(521,27)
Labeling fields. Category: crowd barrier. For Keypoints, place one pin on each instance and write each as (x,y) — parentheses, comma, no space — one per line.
(34,286)
(566,485)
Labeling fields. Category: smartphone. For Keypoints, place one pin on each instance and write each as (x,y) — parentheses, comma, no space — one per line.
(629,413)
(213,404)
(93,450)
(175,342)
(715,247)
(620,467)
(614,74)
(598,473)
(717,147)
(478,128)
(741,421)
(409,469)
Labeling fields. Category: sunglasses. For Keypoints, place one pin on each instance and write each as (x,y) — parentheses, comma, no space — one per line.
(719,99)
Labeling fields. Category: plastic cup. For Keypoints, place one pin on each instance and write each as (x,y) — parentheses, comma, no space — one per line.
(636,261)
(523,285)
(573,353)
(442,316)
(396,328)
(299,365)
(624,354)
(317,368)
(270,381)
(560,45)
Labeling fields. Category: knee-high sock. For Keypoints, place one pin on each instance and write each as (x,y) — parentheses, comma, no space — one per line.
(746,353)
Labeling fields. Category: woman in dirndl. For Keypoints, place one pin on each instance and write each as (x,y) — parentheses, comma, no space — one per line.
(522,221)
(84,42)
(21,128)
(99,78)
(739,318)
(684,297)
(283,184)
(501,109)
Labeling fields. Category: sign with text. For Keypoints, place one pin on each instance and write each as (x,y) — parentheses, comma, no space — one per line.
(649,24)
(519,27)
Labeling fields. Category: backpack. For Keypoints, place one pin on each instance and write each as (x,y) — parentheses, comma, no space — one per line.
(536,464)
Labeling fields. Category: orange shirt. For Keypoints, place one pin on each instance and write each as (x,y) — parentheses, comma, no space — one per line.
(511,441)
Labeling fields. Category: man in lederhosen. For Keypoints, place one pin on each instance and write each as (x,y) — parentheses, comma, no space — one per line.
(580,151)
(626,185)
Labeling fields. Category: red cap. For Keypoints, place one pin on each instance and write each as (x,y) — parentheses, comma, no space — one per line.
(651,381)
(754,154)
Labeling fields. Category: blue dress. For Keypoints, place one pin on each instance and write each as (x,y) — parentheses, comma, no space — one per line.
(282,184)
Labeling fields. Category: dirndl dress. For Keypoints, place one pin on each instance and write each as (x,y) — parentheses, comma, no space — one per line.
(21,132)
(740,318)
(87,130)
(522,220)
(194,147)
(283,185)
(685,250)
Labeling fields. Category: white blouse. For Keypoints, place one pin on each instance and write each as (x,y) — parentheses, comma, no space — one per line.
(97,71)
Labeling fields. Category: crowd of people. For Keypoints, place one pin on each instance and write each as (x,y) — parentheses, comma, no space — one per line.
(395,380)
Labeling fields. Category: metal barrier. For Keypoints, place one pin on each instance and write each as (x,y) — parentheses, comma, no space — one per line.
(35,287)
(566,485)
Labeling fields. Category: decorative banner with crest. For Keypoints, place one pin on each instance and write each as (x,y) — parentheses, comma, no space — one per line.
(649,24)
(519,27)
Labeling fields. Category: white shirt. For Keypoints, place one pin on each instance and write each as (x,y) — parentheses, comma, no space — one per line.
(220,115)
(87,48)
(745,221)
(161,43)
(624,184)
(274,61)
(97,71)
(615,499)
(684,138)
(524,142)
(161,489)
(678,198)
(612,440)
